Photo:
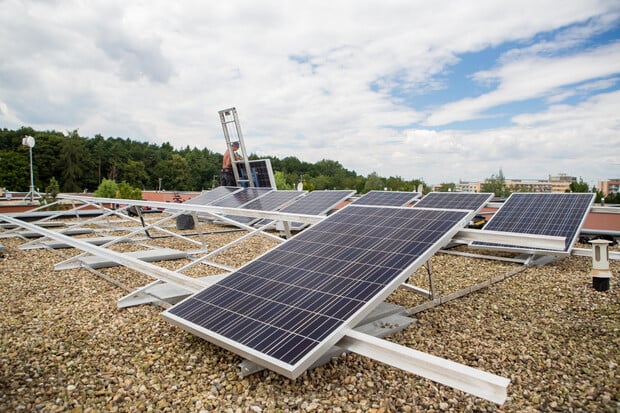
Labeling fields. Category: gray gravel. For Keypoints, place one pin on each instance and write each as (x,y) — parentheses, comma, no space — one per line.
(65,346)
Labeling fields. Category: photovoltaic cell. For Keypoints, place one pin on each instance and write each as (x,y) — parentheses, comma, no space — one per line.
(454,200)
(386,198)
(290,305)
(261,173)
(238,198)
(212,195)
(541,214)
(271,201)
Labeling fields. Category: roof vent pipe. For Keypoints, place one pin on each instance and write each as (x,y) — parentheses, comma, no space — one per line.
(601,275)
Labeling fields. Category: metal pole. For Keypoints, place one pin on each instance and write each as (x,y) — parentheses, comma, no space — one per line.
(31,178)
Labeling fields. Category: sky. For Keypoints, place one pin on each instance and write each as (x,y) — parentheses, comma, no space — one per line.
(441,91)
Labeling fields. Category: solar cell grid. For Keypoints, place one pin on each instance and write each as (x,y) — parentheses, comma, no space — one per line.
(291,304)
(236,199)
(212,195)
(386,198)
(271,201)
(541,214)
(454,200)
(261,173)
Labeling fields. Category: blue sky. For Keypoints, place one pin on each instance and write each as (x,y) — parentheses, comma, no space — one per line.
(443,90)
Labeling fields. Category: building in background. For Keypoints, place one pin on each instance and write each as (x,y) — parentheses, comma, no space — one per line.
(609,187)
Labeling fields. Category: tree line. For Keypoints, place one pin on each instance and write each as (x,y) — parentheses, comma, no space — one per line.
(77,164)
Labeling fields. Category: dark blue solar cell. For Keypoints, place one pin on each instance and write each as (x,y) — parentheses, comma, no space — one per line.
(386,198)
(454,200)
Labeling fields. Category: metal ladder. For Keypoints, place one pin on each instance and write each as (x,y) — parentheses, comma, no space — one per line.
(228,117)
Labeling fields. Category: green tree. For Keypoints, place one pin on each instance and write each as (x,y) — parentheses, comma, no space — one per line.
(280,179)
(126,191)
(373,183)
(579,186)
(14,170)
(175,173)
(75,159)
(107,189)
(135,173)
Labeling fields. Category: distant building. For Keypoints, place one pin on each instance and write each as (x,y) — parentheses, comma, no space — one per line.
(609,187)
(555,183)
(464,186)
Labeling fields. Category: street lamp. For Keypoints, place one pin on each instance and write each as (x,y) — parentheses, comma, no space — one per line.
(29,142)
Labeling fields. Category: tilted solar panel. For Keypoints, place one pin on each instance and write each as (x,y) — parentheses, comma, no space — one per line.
(271,201)
(542,214)
(314,203)
(236,199)
(289,306)
(261,173)
(386,198)
(212,195)
(454,200)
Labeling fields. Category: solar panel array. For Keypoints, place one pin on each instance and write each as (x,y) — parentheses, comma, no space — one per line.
(212,195)
(386,198)
(238,198)
(261,173)
(455,200)
(541,214)
(291,305)
(271,201)
(314,203)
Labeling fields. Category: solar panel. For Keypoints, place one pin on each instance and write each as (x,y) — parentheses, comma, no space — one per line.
(386,198)
(238,198)
(261,173)
(314,203)
(212,195)
(541,214)
(271,201)
(289,306)
(455,200)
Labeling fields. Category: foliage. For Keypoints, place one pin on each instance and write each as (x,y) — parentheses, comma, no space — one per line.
(280,179)
(579,186)
(126,191)
(49,198)
(107,189)
(373,183)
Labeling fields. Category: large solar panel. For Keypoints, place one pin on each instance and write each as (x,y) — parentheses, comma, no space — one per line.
(455,200)
(289,306)
(212,195)
(261,173)
(238,198)
(541,214)
(271,201)
(386,198)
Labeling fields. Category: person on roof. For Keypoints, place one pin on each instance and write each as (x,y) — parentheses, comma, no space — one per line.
(227,177)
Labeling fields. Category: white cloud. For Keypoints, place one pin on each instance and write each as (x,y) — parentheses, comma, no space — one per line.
(311,80)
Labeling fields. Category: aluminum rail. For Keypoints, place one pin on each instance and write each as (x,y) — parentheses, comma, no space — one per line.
(459,376)
(210,209)
(548,242)
(128,261)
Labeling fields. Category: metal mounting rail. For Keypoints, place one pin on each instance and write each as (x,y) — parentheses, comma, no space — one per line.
(459,376)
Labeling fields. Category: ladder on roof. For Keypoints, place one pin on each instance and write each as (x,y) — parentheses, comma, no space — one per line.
(228,118)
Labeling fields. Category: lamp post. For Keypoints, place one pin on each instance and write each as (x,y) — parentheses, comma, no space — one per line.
(29,142)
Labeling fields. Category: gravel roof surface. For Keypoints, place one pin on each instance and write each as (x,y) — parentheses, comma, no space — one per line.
(65,346)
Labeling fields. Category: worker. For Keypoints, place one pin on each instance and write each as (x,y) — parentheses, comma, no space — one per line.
(227,177)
